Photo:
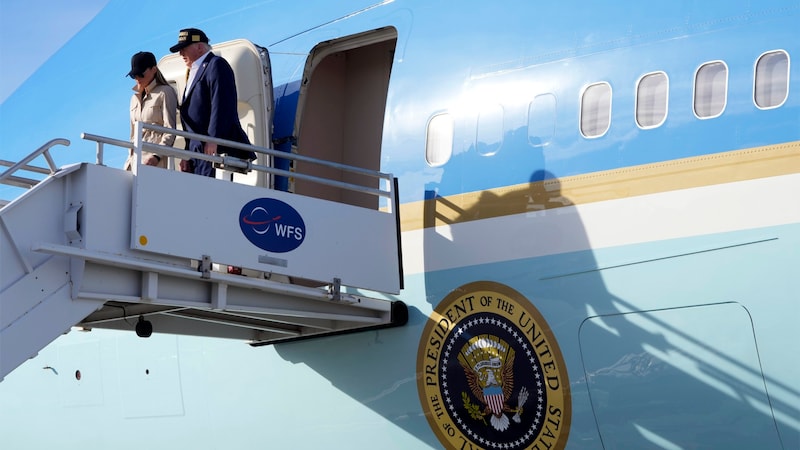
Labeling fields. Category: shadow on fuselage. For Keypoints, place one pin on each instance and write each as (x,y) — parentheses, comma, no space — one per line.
(628,376)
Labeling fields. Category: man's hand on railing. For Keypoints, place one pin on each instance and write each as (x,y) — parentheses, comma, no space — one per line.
(187,165)
(153,160)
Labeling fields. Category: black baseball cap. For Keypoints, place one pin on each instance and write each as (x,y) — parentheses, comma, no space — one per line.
(140,62)
(188,36)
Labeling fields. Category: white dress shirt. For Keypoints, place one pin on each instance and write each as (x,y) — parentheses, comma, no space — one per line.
(193,72)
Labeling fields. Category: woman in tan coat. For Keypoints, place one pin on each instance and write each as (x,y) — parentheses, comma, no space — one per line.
(154,102)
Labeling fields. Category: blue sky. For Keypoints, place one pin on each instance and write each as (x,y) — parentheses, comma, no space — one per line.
(33,30)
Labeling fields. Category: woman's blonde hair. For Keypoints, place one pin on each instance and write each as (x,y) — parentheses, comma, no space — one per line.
(159,77)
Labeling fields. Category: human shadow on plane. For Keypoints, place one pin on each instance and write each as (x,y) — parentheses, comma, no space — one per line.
(641,372)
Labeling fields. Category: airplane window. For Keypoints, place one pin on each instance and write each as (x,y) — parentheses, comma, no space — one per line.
(771,79)
(489,136)
(710,89)
(439,140)
(542,120)
(595,113)
(651,100)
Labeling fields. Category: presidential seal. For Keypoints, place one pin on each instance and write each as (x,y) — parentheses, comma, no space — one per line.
(490,373)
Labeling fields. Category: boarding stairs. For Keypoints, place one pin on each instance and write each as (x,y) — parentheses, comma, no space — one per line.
(91,246)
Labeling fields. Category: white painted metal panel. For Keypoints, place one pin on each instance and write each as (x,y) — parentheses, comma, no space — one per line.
(189,216)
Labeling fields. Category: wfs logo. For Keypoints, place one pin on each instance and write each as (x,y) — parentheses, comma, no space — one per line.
(272,225)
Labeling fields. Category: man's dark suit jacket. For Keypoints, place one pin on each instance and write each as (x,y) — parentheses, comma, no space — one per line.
(209,108)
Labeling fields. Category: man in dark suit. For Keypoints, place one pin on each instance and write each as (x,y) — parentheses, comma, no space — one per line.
(209,102)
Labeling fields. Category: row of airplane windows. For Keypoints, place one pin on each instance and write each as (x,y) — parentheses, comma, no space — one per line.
(770,90)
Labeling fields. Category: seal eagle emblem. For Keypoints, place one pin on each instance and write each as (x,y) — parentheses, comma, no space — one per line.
(488,364)
(491,374)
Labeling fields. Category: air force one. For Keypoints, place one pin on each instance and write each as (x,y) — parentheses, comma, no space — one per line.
(503,225)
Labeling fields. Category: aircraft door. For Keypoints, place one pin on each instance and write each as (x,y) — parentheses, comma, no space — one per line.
(340,112)
(253,74)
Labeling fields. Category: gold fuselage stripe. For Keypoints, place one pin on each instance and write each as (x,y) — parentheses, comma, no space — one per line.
(677,174)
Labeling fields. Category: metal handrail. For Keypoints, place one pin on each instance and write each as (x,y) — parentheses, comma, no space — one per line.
(7,177)
(267,151)
(241,164)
